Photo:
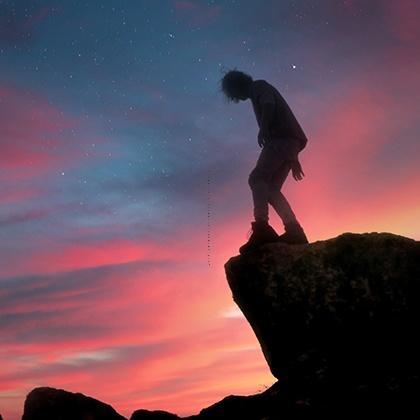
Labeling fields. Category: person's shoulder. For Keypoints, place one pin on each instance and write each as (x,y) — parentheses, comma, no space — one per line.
(259,83)
(270,85)
(262,84)
(259,86)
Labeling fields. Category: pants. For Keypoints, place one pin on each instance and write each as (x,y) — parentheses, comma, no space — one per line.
(268,176)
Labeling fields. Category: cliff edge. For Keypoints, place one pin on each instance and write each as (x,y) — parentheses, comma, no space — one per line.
(337,320)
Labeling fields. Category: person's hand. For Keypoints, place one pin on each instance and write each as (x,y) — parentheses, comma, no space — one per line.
(297,171)
(263,137)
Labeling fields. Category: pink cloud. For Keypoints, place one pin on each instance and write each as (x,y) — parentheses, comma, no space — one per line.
(48,258)
(179,312)
(176,307)
(178,370)
(14,194)
(30,133)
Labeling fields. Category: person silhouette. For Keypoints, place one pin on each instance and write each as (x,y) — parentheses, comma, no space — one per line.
(281,138)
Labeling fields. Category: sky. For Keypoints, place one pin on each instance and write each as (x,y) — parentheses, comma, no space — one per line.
(123,179)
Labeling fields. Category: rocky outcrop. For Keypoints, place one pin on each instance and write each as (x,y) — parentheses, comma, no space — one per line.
(45,403)
(337,320)
(267,405)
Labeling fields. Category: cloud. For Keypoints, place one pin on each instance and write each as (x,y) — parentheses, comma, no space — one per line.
(21,25)
(14,194)
(24,217)
(130,321)
(94,252)
(34,135)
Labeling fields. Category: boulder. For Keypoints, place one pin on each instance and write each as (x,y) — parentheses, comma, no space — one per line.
(337,320)
(45,403)
(153,415)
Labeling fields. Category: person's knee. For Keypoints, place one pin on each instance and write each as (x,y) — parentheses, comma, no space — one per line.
(256,178)
(273,191)
(253,179)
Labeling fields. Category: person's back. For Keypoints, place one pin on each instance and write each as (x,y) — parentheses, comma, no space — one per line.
(284,123)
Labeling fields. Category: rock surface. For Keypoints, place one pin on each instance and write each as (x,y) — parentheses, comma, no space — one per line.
(337,319)
(45,403)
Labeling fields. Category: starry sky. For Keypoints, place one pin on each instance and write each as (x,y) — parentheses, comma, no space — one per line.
(123,179)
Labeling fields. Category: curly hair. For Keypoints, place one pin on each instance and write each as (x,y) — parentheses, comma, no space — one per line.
(234,83)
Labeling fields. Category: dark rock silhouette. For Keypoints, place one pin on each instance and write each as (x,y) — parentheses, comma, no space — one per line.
(337,321)
(261,406)
(47,403)
(153,415)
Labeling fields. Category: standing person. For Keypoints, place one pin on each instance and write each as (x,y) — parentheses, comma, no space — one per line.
(281,139)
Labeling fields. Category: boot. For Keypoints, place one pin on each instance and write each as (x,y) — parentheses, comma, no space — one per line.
(293,234)
(262,233)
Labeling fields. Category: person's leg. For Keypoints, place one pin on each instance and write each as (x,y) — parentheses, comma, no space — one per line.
(260,180)
(276,198)
(294,233)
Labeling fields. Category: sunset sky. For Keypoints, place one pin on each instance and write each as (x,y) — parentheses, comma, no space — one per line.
(115,141)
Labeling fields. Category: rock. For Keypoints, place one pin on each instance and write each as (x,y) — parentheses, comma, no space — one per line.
(153,415)
(266,405)
(337,320)
(45,403)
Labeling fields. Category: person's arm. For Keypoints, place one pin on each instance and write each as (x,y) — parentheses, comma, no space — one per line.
(266,119)
(296,167)
(265,98)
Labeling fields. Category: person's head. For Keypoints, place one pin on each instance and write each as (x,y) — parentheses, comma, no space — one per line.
(236,85)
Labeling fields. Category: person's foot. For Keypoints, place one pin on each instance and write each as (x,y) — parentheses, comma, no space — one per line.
(293,234)
(262,233)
